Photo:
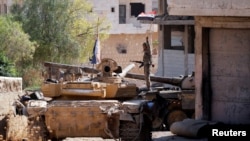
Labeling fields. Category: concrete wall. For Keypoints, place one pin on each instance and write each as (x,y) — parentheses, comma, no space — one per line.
(222,54)
(221,57)
(173,63)
(230,77)
(132,44)
(128,36)
(209,7)
(10,88)
(132,25)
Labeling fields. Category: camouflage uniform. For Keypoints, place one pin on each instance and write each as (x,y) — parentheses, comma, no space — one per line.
(147,61)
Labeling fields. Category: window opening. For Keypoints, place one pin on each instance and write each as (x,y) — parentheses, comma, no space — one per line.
(112,9)
(122,14)
(137,8)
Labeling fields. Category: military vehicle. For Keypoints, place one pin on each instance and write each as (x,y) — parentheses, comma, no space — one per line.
(179,95)
(100,102)
(87,102)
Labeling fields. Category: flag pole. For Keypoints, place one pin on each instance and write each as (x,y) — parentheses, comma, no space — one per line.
(94,49)
(96,36)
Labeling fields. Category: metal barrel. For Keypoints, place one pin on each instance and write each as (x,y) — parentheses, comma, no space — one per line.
(176,81)
(67,66)
(126,70)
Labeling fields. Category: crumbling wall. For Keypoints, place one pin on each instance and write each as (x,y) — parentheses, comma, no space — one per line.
(10,88)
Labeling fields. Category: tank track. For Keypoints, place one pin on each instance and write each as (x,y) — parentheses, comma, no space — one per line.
(130,131)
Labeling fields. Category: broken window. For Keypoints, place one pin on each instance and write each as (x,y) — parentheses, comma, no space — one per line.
(137,8)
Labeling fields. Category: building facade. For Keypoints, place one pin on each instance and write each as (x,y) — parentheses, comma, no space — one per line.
(173,51)
(222,57)
(127,34)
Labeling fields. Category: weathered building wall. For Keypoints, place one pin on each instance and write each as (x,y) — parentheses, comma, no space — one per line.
(173,63)
(222,69)
(230,77)
(209,7)
(125,40)
(222,56)
(10,87)
(110,10)
(127,47)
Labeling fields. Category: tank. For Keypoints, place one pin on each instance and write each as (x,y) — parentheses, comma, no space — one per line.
(91,102)
(99,101)
(178,94)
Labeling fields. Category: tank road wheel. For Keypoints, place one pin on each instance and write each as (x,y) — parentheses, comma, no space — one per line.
(130,131)
(174,116)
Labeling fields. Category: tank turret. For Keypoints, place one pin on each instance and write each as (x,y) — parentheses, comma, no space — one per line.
(104,82)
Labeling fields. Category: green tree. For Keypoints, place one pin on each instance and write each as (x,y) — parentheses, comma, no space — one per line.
(6,68)
(63,29)
(15,47)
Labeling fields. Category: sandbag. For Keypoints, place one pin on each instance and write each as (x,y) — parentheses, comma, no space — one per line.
(191,127)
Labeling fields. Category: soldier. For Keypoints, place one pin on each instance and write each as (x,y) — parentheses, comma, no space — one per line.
(147,62)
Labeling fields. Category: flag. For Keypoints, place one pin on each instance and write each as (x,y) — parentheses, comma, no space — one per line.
(147,16)
(96,58)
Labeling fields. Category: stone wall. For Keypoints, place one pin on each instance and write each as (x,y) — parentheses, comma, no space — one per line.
(10,88)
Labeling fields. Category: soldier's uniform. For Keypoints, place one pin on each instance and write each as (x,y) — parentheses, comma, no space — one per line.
(147,60)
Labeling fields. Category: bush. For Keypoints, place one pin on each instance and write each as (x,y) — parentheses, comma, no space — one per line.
(32,78)
(6,67)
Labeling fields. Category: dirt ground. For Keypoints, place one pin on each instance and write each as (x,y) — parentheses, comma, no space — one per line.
(20,128)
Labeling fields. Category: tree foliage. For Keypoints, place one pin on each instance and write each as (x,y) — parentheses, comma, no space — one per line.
(15,47)
(6,68)
(63,29)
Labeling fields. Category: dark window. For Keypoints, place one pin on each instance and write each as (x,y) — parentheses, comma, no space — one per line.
(122,14)
(191,36)
(137,8)
(112,9)
(177,28)
(176,41)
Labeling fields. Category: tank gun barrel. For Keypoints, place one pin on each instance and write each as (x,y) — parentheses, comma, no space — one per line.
(66,66)
(185,82)
(126,70)
(173,80)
